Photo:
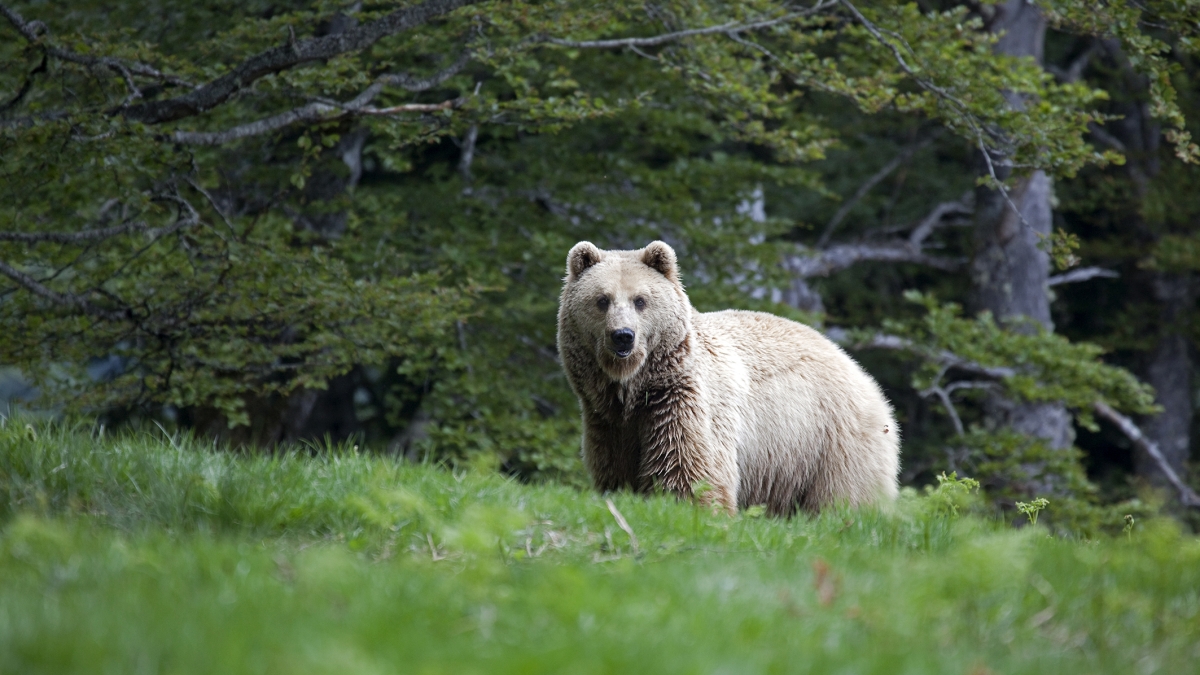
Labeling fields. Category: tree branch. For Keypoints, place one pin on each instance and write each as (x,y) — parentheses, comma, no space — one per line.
(947,359)
(468,153)
(33,286)
(29,29)
(73,237)
(410,83)
(215,92)
(126,69)
(1106,138)
(1074,70)
(729,28)
(871,182)
(895,342)
(976,129)
(837,258)
(1081,274)
(933,220)
(313,112)
(1187,496)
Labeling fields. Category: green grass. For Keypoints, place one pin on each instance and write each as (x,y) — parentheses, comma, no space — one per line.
(139,554)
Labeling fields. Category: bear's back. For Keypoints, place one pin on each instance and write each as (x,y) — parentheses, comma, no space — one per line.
(768,345)
(794,400)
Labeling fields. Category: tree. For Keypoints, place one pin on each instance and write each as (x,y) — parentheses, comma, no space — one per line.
(243,204)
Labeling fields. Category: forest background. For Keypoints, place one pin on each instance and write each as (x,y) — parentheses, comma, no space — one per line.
(272,222)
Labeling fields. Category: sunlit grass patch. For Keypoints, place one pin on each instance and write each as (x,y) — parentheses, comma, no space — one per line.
(143,554)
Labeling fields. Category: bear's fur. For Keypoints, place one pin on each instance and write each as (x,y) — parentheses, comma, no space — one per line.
(762,409)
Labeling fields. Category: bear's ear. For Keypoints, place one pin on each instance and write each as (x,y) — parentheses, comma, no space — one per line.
(661,257)
(582,256)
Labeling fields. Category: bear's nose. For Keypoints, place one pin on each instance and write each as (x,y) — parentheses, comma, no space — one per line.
(622,339)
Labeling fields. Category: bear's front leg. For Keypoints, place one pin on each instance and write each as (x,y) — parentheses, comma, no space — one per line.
(610,453)
(679,450)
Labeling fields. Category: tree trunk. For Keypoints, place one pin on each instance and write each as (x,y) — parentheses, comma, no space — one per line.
(1168,366)
(1169,371)
(1009,271)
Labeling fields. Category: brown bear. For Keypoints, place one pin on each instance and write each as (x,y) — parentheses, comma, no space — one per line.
(762,409)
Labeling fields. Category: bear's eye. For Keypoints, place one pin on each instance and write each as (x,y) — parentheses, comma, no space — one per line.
(640,303)
(602,303)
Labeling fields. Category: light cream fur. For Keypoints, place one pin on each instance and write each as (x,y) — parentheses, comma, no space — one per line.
(763,409)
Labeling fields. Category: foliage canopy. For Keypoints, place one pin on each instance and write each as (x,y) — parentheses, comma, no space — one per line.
(236,202)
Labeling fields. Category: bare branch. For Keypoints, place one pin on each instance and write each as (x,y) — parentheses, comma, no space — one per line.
(897,343)
(411,83)
(211,202)
(955,102)
(26,86)
(1074,70)
(933,220)
(731,28)
(1081,274)
(1106,138)
(28,29)
(313,112)
(871,182)
(623,524)
(211,94)
(73,237)
(126,69)
(413,107)
(468,153)
(33,286)
(837,258)
(1186,495)
(949,360)
(944,397)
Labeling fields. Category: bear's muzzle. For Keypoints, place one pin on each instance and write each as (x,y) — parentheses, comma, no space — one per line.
(622,342)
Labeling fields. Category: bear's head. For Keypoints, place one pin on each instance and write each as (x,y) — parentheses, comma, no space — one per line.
(622,306)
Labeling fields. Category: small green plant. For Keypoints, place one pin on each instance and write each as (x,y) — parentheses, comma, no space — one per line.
(1128,529)
(756,511)
(951,494)
(1060,245)
(1033,508)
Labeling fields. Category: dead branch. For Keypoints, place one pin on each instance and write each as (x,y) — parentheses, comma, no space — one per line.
(836,258)
(729,28)
(1187,496)
(870,183)
(28,29)
(963,110)
(895,342)
(621,523)
(313,112)
(187,218)
(67,300)
(34,31)
(412,83)
(1075,68)
(1106,138)
(74,237)
(413,107)
(957,209)
(468,153)
(215,92)
(1081,274)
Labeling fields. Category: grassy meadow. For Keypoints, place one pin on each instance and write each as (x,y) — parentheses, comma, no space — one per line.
(140,553)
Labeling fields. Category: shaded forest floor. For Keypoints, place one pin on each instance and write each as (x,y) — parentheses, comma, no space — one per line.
(139,554)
